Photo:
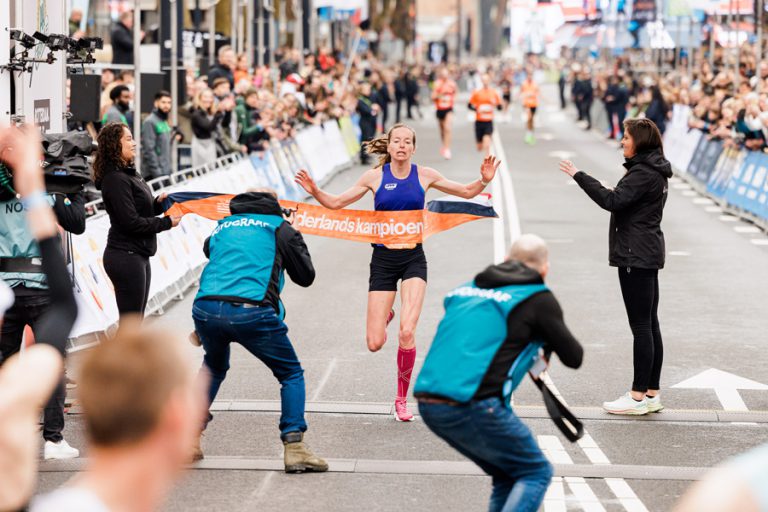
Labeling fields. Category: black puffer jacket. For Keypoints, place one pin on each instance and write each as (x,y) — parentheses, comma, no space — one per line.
(636,205)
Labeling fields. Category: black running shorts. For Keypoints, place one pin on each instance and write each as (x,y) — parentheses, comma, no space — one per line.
(388,266)
(483,128)
(533,110)
(441,114)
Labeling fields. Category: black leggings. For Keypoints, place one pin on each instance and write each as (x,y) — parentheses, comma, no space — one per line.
(640,289)
(130,274)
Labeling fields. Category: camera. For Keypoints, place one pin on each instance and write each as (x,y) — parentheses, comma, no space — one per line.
(90,44)
(23,38)
(55,42)
(287,212)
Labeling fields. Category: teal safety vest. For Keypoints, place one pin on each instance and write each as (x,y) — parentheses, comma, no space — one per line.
(242,255)
(469,336)
(16,241)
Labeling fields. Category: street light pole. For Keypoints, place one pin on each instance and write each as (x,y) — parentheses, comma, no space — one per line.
(137,82)
(759,44)
(260,32)
(458,31)
(174,81)
(212,33)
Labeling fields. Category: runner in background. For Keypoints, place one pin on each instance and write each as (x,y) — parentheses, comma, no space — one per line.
(506,92)
(529,94)
(444,95)
(484,101)
(397,184)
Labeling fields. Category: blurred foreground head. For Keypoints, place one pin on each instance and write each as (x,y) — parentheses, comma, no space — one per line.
(532,251)
(139,395)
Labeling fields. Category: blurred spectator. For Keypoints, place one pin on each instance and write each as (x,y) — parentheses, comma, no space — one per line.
(75,19)
(368,110)
(122,39)
(224,67)
(120,96)
(241,70)
(142,409)
(156,139)
(206,117)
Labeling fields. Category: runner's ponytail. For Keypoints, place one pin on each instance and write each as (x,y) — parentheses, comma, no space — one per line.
(380,145)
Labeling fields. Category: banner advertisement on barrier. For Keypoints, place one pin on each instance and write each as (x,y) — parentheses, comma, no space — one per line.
(735,176)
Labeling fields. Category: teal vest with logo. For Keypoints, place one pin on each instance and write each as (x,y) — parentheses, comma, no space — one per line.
(242,255)
(469,336)
(16,241)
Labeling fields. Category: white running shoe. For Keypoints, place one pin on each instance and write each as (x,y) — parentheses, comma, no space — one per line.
(60,450)
(625,404)
(654,403)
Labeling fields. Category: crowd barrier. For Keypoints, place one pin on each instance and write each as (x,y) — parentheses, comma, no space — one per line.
(322,150)
(735,178)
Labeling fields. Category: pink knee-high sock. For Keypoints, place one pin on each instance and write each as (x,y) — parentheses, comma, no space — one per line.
(406,358)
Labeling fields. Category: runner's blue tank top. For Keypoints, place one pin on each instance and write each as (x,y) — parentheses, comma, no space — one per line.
(399,195)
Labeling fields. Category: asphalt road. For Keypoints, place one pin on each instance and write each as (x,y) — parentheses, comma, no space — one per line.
(712,316)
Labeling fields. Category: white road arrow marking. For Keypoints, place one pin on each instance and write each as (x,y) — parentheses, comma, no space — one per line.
(561,155)
(726,386)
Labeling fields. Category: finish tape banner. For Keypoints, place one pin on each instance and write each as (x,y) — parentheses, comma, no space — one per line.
(393,229)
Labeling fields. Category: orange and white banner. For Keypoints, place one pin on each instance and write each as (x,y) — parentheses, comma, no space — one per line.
(393,229)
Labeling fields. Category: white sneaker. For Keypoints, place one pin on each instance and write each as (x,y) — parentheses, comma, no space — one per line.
(60,450)
(625,404)
(654,403)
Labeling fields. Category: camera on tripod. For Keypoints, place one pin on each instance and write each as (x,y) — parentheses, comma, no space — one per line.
(23,38)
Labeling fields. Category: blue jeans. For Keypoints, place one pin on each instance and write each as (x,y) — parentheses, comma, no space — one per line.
(495,439)
(263,334)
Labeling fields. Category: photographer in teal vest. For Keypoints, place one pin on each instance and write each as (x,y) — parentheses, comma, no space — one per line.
(22,268)
(488,323)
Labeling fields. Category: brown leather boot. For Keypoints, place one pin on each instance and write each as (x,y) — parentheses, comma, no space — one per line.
(196,453)
(298,458)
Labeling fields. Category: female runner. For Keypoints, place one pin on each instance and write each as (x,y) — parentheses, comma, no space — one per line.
(397,185)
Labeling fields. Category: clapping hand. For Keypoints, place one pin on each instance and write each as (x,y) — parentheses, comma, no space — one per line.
(568,168)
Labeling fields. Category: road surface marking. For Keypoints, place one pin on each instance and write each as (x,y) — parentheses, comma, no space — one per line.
(713,209)
(555,452)
(728,218)
(690,193)
(726,386)
(759,241)
(679,253)
(324,379)
(703,200)
(752,230)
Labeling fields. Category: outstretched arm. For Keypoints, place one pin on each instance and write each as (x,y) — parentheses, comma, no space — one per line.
(336,202)
(467,191)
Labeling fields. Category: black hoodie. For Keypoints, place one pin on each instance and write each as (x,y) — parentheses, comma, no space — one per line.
(636,204)
(539,318)
(291,254)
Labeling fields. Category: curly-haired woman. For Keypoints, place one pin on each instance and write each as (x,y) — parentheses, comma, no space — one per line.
(132,211)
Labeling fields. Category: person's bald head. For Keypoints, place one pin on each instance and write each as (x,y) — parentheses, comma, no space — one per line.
(531,250)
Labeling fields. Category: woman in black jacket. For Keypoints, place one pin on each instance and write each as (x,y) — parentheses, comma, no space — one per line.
(636,246)
(132,211)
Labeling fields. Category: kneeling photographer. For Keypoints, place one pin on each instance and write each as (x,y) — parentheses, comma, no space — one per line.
(239,301)
(21,265)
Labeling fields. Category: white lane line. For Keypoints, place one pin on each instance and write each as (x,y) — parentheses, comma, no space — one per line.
(681,186)
(618,486)
(554,500)
(498,224)
(324,379)
(690,193)
(713,209)
(703,200)
(679,253)
(752,230)
(728,218)
(513,218)
(759,241)
(555,452)
(261,490)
